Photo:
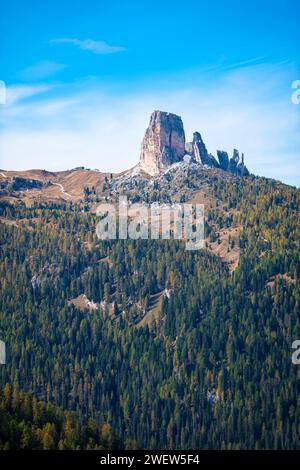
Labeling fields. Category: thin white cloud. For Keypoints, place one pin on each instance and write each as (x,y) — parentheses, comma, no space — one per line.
(41,70)
(97,47)
(17,93)
(244,63)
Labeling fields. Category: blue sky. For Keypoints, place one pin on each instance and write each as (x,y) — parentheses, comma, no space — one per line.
(83,76)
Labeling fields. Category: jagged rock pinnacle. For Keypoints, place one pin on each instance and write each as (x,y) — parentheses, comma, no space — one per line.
(163,143)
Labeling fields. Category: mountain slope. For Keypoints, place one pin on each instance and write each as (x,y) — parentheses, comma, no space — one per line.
(214,369)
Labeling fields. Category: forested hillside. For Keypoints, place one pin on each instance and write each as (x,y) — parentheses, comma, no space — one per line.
(26,423)
(170,348)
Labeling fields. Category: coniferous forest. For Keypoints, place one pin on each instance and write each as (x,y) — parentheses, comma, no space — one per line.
(174,351)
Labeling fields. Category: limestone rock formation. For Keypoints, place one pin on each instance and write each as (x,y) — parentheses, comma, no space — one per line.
(212,162)
(198,152)
(241,168)
(236,165)
(163,143)
(223,159)
(199,149)
(234,161)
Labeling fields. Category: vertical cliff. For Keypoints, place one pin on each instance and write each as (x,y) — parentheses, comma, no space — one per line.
(163,143)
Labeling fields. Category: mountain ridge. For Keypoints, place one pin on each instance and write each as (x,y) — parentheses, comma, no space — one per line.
(164,144)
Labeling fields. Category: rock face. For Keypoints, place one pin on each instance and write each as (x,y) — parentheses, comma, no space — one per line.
(200,153)
(223,159)
(197,150)
(163,143)
(236,166)
(234,161)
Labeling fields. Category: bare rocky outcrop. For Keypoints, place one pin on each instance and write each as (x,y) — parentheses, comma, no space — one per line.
(234,161)
(242,170)
(223,159)
(198,151)
(163,143)
(236,165)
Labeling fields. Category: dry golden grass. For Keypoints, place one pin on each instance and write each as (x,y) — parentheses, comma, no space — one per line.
(80,302)
(222,248)
(286,277)
(72,181)
(153,311)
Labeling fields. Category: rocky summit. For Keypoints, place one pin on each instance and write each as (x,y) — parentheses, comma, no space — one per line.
(164,144)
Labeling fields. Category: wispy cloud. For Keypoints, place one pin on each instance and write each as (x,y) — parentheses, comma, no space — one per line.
(97,47)
(245,63)
(41,70)
(17,93)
